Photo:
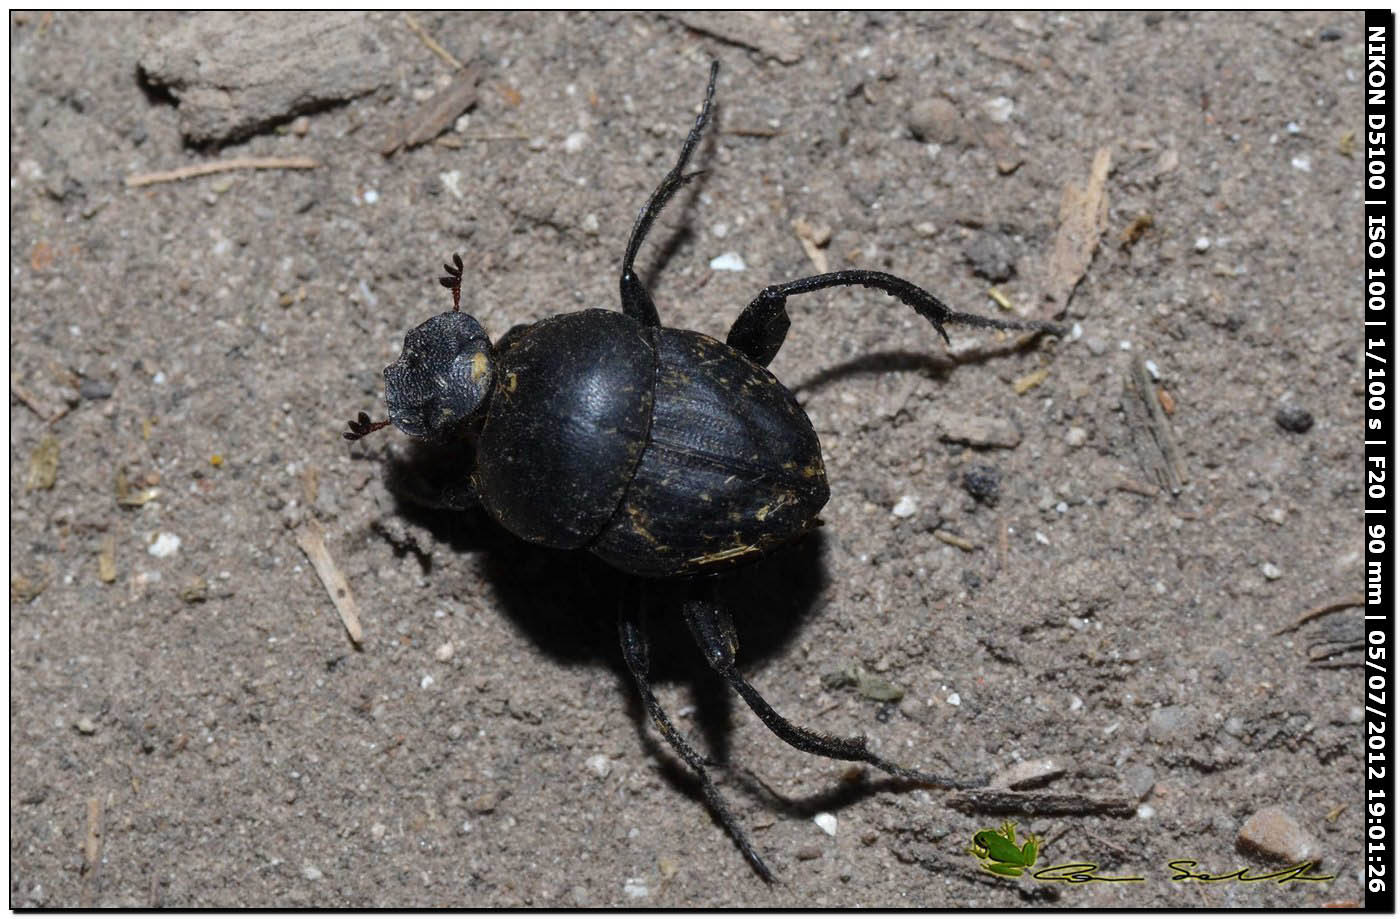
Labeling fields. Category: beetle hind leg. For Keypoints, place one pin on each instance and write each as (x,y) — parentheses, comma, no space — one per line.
(760,329)
(634,652)
(713,629)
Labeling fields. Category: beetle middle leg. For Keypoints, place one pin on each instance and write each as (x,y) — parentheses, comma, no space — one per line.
(713,629)
(761,327)
(636,301)
(631,630)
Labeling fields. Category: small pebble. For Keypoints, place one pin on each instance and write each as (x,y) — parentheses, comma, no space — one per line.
(999,109)
(1096,346)
(165,544)
(575,142)
(954,699)
(808,853)
(300,126)
(906,507)
(1331,35)
(1169,722)
(311,873)
(444,652)
(1271,571)
(729,261)
(426,681)
(1293,419)
(870,837)
(1234,725)
(983,483)
(589,224)
(1202,243)
(377,831)
(599,765)
(636,887)
(1076,436)
(95,389)
(935,121)
(1139,780)
(85,726)
(1302,164)
(1274,833)
(1152,369)
(827,822)
(1146,812)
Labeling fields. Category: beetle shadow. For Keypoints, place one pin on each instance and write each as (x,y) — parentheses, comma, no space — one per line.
(934,366)
(567,602)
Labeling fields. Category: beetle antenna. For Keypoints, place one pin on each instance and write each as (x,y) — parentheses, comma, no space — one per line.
(363,427)
(453,282)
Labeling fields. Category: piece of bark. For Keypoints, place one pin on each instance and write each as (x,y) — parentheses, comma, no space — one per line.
(759,31)
(1152,436)
(236,74)
(1083,219)
(436,114)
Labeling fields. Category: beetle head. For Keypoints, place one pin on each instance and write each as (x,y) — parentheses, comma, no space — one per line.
(442,377)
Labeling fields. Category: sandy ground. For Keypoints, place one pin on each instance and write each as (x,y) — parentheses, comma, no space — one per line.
(189,724)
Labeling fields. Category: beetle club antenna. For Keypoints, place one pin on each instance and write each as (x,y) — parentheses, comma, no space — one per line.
(453,281)
(363,427)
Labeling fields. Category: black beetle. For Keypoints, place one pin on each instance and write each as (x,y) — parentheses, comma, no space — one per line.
(666,453)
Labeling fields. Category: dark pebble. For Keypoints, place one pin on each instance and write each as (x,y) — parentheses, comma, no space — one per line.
(992,256)
(1292,418)
(1331,35)
(95,389)
(984,483)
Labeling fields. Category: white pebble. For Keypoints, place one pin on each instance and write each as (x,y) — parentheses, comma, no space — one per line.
(599,765)
(371,196)
(1152,369)
(729,261)
(827,822)
(378,830)
(1302,164)
(590,224)
(444,652)
(1125,345)
(311,873)
(1271,571)
(720,230)
(1146,812)
(452,181)
(1000,109)
(1292,128)
(636,887)
(1202,243)
(426,681)
(1076,436)
(575,142)
(159,378)
(1042,538)
(906,507)
(165,544)
(1075,703)
(954,699)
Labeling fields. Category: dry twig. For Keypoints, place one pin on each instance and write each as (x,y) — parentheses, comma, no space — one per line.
(203,169)
(1323,610)
(313,543)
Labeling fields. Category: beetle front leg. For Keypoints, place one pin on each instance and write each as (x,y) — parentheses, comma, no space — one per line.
(760,329)
(713,629)
(634,652)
